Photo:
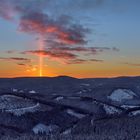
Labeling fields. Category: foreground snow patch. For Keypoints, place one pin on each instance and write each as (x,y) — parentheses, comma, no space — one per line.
(15,90)
(66,132)
(32,91)
(21,91)
(111,110)
(59,98)
(75,114)
(129,106)
(21,111)
(8,102)
(135,113)
(122,94)
(84,84)
(44,129)
(9,97)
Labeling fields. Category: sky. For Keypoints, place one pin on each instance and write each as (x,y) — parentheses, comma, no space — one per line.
(81,38)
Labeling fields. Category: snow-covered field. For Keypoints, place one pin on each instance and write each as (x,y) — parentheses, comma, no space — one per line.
(111,110)
(75,114)
(14,102)
(21,111)
(44,129)
(122,94)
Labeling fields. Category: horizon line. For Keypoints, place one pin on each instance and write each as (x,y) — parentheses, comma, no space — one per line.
(107,77)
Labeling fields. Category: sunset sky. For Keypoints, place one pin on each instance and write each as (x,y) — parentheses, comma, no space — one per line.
(81,38)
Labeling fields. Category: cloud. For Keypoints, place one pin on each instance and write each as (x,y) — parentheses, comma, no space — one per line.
(51,54)
(5,10)
(33,20)
(115,49)
(132,64)
(21,64)
(63,56)
(17,60)
(10,51)
(61,29)
(69,54)
(81,61)
(9,9)
(81,49)
(59,46)
(96,60)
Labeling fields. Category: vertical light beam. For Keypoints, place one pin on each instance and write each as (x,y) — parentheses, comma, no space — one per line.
(41,47)
(40,66)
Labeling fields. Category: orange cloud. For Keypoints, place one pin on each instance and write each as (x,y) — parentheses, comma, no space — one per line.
(61,56)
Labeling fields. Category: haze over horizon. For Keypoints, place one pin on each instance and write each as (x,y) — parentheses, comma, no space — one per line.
(85,38)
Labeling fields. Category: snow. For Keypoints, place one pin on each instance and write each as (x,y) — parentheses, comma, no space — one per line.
(122,94)
(21,91)
(73,97)
(42,128)
(111,110)
(32,91)
(66,132)
(59,98)
(21,111)
(75,114)
(15,90)
(9,97)
(84,84)
(10,102)
(84,90)
(80,92)
(129,106)
(134,113)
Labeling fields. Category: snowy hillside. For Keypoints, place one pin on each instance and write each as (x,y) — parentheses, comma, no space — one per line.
(122,94)
(65,105)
